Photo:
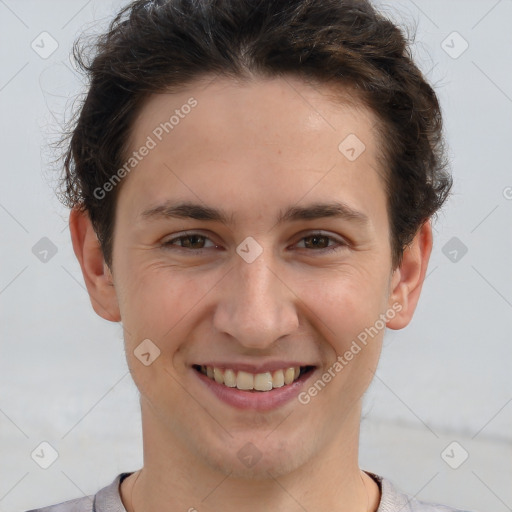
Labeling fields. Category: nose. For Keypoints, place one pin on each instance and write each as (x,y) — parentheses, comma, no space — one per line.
(256,306)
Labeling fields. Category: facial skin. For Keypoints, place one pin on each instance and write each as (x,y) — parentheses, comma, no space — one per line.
(253,151)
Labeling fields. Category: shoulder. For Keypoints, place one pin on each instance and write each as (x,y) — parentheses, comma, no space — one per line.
(84,504)
(107,499)
(394,500)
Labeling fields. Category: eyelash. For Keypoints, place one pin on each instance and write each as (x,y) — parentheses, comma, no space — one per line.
(340,243)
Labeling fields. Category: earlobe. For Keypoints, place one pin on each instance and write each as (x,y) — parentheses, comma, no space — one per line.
(407,280)
(97,275)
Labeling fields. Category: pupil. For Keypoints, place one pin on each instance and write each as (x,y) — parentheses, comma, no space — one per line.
(315,240)
(194,239)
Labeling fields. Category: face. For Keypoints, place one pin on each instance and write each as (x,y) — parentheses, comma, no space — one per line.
(246,243)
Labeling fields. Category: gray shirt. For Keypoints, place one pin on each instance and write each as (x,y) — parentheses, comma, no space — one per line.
(108,499)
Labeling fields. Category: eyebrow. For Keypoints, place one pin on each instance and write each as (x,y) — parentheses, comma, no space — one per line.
(188,210)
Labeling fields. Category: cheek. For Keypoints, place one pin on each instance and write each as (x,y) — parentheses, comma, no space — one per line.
(348,319)
(347,306)
(157,299)
(159,304)
(347,301)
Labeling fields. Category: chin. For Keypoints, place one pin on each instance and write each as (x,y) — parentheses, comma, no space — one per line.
(255,459)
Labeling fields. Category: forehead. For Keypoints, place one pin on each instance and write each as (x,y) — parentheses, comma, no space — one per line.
(251,136)
(276,108)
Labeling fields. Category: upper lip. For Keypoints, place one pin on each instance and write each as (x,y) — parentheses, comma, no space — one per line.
(263,367)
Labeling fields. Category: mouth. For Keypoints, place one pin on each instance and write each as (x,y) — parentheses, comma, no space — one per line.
(263,382)
(264,386)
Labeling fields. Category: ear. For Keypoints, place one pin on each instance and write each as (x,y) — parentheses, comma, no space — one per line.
(407,280)
(97,275)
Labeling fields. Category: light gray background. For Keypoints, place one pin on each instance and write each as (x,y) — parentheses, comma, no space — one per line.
(445,378)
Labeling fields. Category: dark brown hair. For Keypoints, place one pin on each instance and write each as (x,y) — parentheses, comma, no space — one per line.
(161,45)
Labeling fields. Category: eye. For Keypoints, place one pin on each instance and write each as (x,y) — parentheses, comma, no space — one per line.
(196,242)
(193,241)
(320,242)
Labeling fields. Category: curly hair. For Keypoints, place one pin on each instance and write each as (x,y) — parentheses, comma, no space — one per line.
(164,45)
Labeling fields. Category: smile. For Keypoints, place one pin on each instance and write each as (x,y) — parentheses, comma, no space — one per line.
(247,381)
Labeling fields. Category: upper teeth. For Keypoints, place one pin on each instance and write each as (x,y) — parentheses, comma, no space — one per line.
(248,381)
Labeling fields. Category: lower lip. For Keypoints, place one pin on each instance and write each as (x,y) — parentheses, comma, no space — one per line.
(255,400)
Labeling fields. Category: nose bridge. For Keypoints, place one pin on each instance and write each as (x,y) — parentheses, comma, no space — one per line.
(257,309)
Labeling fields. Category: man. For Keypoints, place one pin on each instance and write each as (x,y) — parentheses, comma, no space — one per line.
(251,186)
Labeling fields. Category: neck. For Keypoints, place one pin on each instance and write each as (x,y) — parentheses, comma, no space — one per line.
(174,478)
